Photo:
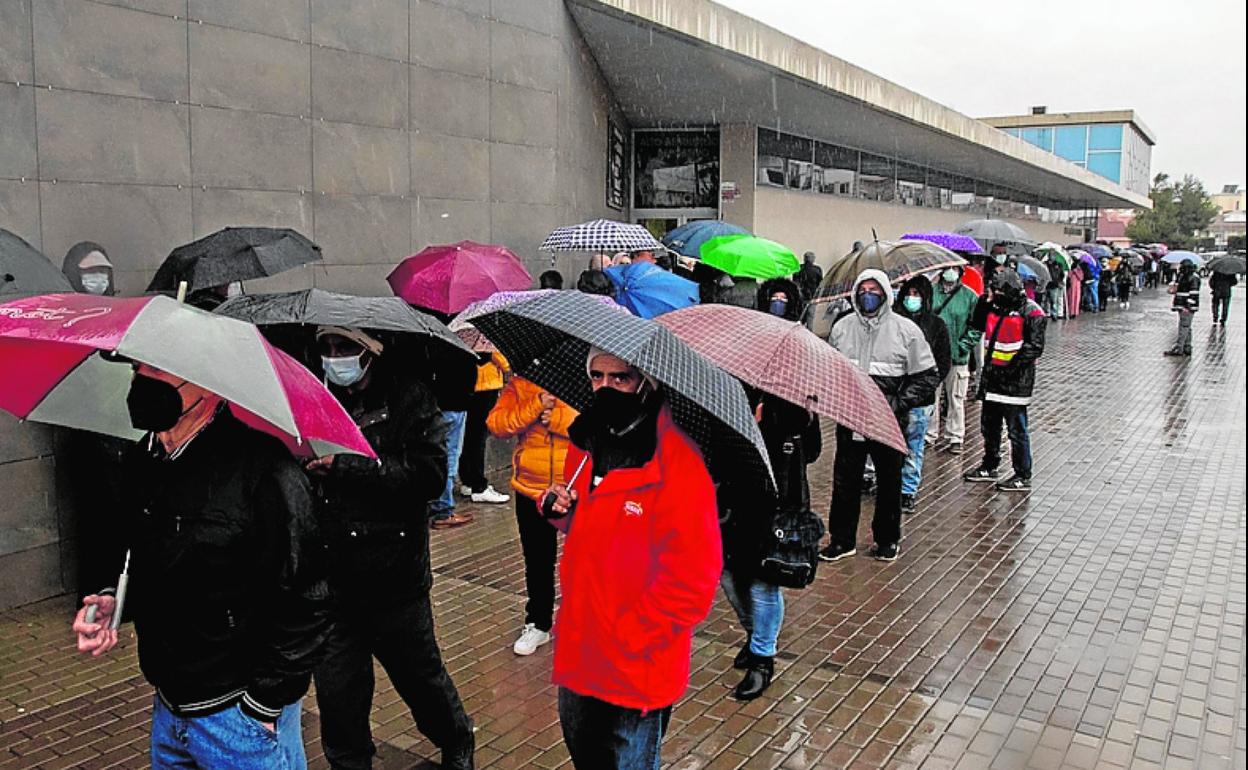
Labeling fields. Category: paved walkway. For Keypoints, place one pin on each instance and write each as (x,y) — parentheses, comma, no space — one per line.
(1097,622)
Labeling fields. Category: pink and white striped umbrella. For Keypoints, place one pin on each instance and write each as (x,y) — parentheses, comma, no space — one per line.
(49,346)
(786,360)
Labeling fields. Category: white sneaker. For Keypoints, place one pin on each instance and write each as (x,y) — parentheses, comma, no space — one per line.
(465,491)
(490,495)
(530,639)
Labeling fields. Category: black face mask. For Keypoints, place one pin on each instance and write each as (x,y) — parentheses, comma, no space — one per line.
(154,404)
(618,412)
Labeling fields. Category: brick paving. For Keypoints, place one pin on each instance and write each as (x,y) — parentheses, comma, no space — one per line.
(1097,622)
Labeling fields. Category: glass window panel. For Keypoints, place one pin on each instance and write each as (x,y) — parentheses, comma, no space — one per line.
(910,184)
(1071,142)
(1040,137)
(784,145)
(676,169)
(835,169)
(876,180)
(1105,137)
(1107,164)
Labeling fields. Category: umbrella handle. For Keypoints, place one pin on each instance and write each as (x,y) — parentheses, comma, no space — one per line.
(548,503)
(182,286)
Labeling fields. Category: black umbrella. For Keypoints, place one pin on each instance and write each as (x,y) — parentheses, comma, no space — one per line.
(23,270)
(234,254)
(547,341)
(1229,264)
(990,232)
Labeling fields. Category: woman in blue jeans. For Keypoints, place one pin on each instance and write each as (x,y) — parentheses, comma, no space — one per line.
(793,441)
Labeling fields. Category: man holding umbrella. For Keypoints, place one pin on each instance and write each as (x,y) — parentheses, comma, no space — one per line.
(893,351)
(380,546)
(1186,291)
(640,567)
(229,595)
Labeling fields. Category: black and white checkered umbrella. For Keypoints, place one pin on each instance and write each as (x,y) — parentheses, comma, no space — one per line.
(547,341)
(603,235)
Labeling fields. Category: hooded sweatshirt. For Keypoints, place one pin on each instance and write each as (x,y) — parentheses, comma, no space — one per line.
(79,251)
(796,306)
(934,329)
(889,348)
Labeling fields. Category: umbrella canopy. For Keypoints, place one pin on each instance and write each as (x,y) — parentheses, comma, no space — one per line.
(450,278)
(952,241)
(1050,250)
(605,235)
(326,308)
(1227,264)
(1088,261)
(1042,276)
(463,327)
(973,280)
(1097,250)
(785,359)
(648,290)
(747,256)
(52,340)
(687,239)
(989,232)
(547,341)
(1158,249)
(899,259)
(1136,261)
(23,270)
(234,254)
(1177,257)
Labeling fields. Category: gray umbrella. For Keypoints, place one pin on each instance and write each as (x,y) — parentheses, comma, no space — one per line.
(23,270)
(989,232)
(325,308)
(547,341)
(1043,276)
(234,254)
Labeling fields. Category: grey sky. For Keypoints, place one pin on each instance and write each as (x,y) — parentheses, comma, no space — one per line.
(1180,66)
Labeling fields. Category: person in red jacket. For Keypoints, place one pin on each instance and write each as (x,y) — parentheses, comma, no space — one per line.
(640,567)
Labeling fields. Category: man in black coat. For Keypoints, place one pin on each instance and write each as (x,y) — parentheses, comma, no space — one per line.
(914,301)
(1186,290)
(374,512)
(810,276)
(227,581)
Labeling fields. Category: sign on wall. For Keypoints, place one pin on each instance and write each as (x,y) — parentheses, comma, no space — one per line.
(616,155)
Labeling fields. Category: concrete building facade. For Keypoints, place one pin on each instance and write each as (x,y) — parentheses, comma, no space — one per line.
(377,127)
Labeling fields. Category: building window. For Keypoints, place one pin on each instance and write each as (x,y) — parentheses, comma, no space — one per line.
(1071,142)
(1105,137)
(876,178)
(1106,164)
(1040,137)
(675,169)
(785,160)
(836,169)
(911,180)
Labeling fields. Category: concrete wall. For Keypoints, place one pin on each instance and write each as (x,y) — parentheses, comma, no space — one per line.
(828,225)
(375,127)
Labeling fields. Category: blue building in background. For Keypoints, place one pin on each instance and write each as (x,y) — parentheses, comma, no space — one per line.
(1113,144)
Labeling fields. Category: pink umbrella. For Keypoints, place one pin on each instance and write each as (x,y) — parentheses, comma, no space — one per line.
(448,279)
(48,345)
(786,360)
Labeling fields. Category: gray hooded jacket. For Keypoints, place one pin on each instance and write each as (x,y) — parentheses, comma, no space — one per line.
(889,348)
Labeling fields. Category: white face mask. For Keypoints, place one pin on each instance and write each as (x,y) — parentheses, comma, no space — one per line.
(95,283)
(343,371)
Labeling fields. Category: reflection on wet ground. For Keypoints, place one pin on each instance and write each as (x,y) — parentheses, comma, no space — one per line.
(1097,622)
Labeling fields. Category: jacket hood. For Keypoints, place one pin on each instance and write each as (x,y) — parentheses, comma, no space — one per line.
(72,267)
(925,291)
(797,304)
(880,277)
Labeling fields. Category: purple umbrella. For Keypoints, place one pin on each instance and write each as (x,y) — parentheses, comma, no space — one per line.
(952,241)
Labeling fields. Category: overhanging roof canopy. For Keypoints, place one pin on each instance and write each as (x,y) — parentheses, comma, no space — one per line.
(674,63)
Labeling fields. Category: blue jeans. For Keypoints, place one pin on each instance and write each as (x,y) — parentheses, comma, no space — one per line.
(760,608)
(445,505)
(226,740)
(603,736)
(991,415)
(916,429)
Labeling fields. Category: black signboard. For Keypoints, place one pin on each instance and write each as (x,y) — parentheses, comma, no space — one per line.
(617,180)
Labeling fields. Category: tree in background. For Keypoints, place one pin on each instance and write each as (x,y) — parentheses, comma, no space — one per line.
(1179,211)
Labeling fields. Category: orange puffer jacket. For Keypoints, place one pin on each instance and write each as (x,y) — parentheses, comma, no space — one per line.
(538,460)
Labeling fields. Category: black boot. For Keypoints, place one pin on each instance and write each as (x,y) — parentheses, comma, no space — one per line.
(460,757)
(743,659)
(757,679)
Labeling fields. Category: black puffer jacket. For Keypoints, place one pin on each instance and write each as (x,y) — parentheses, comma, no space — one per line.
(746,511)
(228,585)
(794,309)
(935,330)
(1187,297)
(375,512)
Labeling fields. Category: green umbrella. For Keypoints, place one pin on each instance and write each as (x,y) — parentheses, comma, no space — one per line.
(1053,252)
(748,256)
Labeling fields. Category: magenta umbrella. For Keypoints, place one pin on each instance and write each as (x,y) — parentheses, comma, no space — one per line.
(49,346)
(787,360)
(449,278)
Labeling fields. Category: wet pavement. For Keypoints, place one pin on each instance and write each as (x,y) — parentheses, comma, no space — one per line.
(1096,622)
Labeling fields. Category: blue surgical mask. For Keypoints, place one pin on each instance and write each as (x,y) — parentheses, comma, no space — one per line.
(95,283)
(949,276)
(343,371)
(869,301)
(777,307)
(913,304)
